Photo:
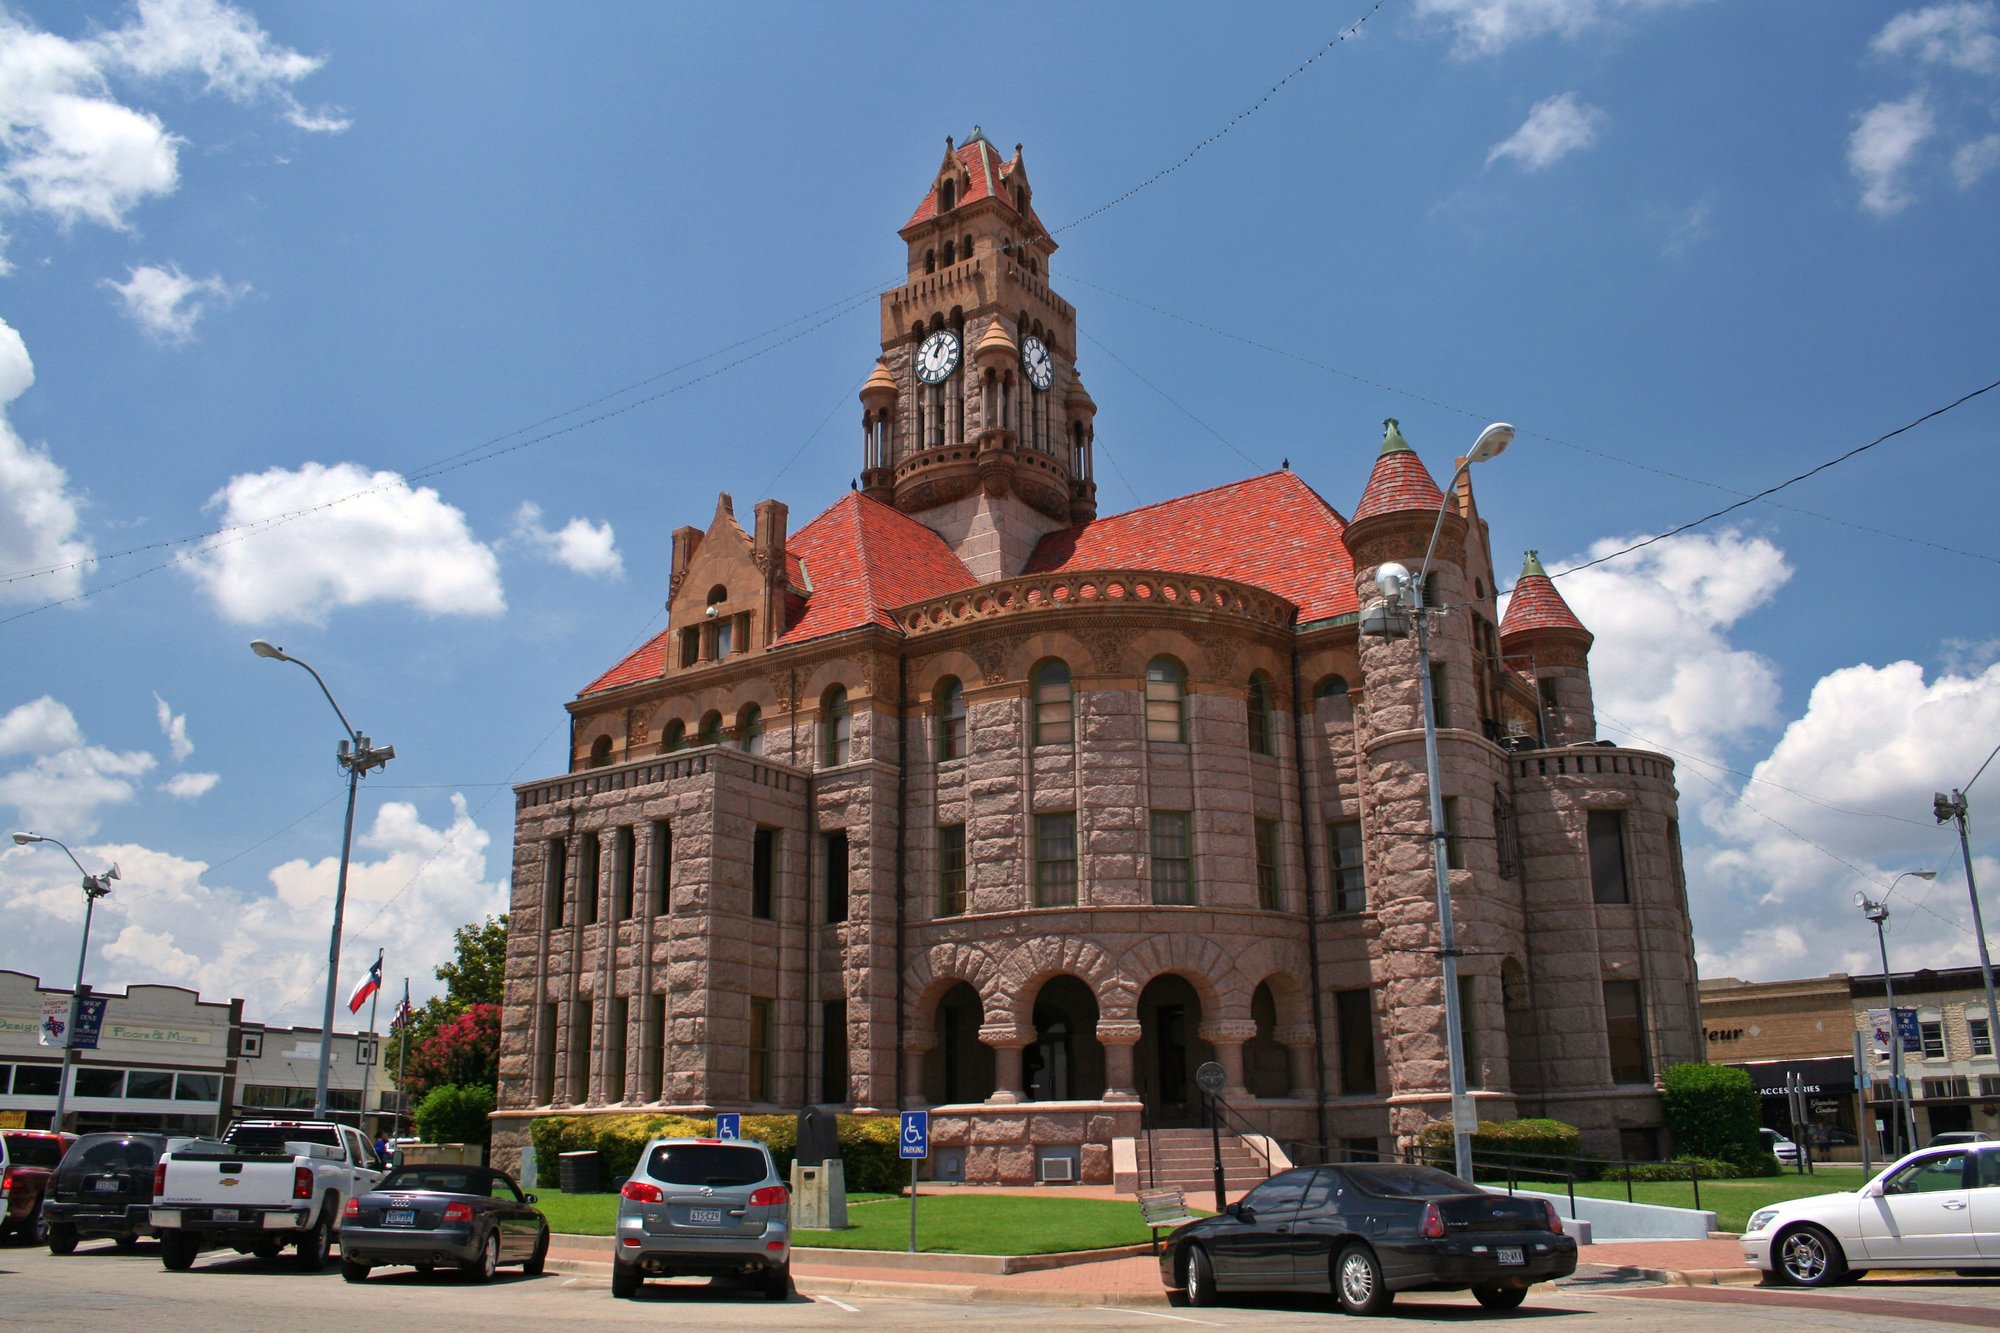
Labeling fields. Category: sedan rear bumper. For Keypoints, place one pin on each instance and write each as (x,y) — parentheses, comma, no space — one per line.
(1458,1264)
(405,1245)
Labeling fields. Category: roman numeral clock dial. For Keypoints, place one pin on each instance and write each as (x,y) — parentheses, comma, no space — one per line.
(1037,364)
(938,357)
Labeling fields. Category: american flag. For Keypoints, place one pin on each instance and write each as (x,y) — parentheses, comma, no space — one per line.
(402,1014)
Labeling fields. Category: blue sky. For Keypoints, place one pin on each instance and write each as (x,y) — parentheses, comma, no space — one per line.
(263,257)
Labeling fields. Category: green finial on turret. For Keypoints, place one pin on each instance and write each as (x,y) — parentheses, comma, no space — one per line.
(1533,565)
(1392,438)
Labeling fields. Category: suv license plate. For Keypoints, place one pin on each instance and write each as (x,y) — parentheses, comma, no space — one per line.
(1511,1254)
(399,1217)
(224,1215)
(105,1186)
(704,1217)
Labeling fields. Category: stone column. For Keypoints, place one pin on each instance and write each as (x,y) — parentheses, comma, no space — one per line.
(1006,1039)
(915,1048)
(1300,1049)
(1227,1035)
(1119,1040)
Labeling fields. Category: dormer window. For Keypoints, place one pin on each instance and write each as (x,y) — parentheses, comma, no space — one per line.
(947,196)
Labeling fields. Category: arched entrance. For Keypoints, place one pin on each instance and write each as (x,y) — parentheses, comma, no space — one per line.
(1170,1050)
(959,1068)
(1267,1070)
(1065,1063)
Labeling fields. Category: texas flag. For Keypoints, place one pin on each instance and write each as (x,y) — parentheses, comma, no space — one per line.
(369,985)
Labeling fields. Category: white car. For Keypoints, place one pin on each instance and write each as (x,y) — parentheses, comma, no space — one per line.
(1781,1147)
(1936,1208)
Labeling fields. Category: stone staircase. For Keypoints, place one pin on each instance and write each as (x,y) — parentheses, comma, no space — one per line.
(1184,1159)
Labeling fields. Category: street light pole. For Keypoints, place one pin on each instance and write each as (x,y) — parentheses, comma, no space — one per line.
(1399,591)
(94,887)
(357,756)
(1904,1116)
(1953,808)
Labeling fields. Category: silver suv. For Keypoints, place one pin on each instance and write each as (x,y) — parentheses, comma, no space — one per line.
(704,1207)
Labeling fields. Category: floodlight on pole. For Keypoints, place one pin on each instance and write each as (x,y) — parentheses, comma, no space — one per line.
(356,755)
(1404,598)
(94,887)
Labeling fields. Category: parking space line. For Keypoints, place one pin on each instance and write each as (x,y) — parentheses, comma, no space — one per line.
(851,1309)
(1181,1318)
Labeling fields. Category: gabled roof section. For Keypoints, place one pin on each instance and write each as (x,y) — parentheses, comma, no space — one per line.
(1536,605)
(988,175)
(1271,531)
(648,662)
(1400,480)
(864,557)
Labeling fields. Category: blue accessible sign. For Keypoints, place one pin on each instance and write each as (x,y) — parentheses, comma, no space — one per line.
(729,1125)
(915,1140)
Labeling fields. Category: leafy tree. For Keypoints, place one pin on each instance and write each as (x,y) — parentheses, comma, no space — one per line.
(464,1052)
(451,1114)
(473,979)
(476,973)
(1713,1112)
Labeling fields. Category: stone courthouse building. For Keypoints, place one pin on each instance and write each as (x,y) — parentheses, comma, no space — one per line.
(963,796)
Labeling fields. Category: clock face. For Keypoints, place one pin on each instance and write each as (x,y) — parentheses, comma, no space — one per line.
(1039,365)
(938,357)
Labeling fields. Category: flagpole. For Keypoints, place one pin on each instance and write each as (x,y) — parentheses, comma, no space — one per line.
(402,1058)
(368,1070)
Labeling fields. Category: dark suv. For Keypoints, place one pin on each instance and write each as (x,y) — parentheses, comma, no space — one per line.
(104,1187)
(708,1207)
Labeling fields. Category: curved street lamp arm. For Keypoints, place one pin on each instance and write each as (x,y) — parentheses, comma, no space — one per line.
(352,734)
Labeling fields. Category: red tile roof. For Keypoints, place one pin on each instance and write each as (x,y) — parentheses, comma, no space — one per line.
(1400,481)
(649,662)
(1273,531)
(988,175)
(863,558)
(1536,605)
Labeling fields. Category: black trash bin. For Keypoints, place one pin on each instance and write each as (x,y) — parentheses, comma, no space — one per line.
(579,1172)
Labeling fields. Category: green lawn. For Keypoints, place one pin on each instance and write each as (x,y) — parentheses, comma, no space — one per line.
(946,1224)
(1732,1201)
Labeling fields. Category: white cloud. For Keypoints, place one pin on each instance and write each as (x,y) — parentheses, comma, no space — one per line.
(1971,163)
(1662,669)
(393,544)
(38,515)
(66,779)
(70,150)
(190,786)
(1555,128)
(1691,228)
(1488,27)
(579,545)
(1882,148)
(1960,36)
(174,726)
(167,303)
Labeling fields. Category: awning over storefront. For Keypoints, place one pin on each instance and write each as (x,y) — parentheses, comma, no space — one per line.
(1827,1077)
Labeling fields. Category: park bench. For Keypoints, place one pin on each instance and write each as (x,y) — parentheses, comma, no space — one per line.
(1160,1209)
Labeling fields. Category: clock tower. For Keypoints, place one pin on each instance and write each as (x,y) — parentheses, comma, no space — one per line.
(974,422)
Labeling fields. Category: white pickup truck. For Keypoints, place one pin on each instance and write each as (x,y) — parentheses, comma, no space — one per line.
(264,1185)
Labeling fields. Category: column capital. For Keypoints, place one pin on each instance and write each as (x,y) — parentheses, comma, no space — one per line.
(1119,1034)
(1234,1030)
(1006,1035)
(1297,1034)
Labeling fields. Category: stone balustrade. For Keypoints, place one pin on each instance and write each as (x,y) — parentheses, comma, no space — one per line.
(1097,590)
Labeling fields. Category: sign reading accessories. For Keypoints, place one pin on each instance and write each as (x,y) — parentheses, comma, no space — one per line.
(1833,1076)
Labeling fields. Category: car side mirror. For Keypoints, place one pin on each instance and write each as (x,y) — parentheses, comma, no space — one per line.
(1874,1189)
(1241,1212)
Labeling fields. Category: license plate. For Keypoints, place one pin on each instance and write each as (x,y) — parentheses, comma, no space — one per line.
(1511,1254)
(224,1215)
(399,1217)
(105,1186)
(704,1217)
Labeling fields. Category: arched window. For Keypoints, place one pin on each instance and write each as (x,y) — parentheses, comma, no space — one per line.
(965,248)
(675,737)
(950,253)
(1333,687)
(1260,714)
(1055,708)
(717,594)
(835,727)
(600,752)
(947,195)
(1166,700)
(949,703)
(930,261)
(750,729)
(710,732)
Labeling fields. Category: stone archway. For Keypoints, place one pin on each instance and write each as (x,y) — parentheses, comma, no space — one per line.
(1065,1063)
(958,1067)
(1170,1049)
(1267,1069)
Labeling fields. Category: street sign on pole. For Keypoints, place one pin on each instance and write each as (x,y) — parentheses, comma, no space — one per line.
(914,1142)
(729,1125)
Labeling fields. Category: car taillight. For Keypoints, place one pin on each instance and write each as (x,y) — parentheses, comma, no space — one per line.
(1433,1222)
(1555,1218)
(458,1212)
(638,1191)
(353,1208)
(771,1196)
(7,1181)
(302,1182)
(159,1179)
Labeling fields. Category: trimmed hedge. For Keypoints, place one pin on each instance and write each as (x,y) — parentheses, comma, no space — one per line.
(453,1114)
(1681,1168)
(867,1143)
(1525,1145)
(1714,1112)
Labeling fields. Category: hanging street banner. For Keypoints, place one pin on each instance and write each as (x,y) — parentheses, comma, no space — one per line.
(54,1029)
(89,1022)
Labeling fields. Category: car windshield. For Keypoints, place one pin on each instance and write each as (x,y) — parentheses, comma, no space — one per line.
(34,1149)
(706,1164)
(1407,1182)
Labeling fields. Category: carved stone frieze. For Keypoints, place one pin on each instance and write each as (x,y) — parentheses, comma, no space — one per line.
(1108,647)
(992,659)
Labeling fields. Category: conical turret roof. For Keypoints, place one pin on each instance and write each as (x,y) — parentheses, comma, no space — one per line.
(1399,482)
(1536,605)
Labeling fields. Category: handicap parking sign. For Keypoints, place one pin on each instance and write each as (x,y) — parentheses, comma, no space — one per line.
(729,1125)
(915,1140)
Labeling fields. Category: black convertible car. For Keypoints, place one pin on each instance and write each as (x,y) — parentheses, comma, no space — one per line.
(1367,1231)
(472,1218)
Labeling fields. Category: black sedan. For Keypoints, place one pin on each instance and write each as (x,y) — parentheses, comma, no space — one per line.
(472,1218)
(1367,1231)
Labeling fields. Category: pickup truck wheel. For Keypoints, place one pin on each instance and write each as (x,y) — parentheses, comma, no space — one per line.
(481,1269)
(311,1254)
(540,1258)
(177,1250)
(62,1238)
